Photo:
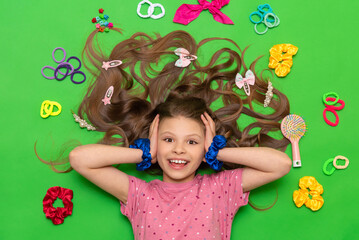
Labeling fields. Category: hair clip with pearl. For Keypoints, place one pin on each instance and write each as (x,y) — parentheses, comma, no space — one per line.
(82,122)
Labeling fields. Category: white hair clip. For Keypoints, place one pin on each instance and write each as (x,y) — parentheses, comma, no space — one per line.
(269,94)
(150,10)
(83,123)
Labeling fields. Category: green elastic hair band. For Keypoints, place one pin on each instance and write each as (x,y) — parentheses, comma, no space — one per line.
(325,167)
(333,94)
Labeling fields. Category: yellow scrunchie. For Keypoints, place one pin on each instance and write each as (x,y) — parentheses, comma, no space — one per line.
(301,196)
(283,68)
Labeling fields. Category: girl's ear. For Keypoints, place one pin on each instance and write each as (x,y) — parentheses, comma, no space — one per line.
(204,159)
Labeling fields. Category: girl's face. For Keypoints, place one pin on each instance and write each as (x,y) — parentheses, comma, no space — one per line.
(180,148)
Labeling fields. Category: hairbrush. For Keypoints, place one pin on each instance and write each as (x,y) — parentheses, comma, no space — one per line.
(293,127)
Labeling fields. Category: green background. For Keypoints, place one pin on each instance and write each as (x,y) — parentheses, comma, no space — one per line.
(325,33)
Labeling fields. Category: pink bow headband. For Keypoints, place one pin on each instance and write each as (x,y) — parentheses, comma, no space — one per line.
(186,13)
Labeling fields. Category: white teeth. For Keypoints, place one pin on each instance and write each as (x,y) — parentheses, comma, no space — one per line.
(178,161)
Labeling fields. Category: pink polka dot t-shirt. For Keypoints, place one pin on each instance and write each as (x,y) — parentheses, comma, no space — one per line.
(203,208)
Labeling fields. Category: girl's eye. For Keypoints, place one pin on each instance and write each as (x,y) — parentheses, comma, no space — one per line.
(192,142)
(168,140)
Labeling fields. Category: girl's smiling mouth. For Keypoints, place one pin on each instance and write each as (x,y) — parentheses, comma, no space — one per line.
(178,163)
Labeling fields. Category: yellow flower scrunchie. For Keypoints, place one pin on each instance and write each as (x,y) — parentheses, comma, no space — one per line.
(282,62)
(301,196)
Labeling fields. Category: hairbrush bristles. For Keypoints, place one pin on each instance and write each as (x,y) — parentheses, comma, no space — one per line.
(293,127)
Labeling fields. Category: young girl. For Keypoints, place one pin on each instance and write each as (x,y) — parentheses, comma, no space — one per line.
(181,130)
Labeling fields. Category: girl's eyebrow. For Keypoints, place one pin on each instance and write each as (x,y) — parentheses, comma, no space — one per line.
(189,135)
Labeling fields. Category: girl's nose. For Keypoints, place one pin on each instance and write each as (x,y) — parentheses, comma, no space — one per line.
(179,148)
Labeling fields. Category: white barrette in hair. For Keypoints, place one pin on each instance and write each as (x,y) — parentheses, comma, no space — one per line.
(185,57)
(83,123)
(111,64)
(269,94)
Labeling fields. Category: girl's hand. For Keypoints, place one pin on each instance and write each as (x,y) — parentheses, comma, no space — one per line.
(210,130)
(153,136)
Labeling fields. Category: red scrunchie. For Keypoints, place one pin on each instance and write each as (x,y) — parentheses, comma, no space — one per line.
(58,214)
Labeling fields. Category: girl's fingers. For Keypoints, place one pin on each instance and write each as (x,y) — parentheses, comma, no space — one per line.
(210,122)
(154,124)
(204,120)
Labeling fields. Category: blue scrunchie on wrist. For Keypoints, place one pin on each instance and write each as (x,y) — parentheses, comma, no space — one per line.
(218,143)
(144,145)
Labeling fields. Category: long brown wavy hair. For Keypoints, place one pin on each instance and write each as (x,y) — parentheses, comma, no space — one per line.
(148,83)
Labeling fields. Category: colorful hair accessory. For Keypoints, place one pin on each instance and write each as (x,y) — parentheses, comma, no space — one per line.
(186,13)
(144,145)
(150,10)
(110,25)
(260,33)
(94,20)
(301,197)
(111,64)
(218,143)
(185,57)
(83,123)
(282,63)
(47,108)
(63,64)
(264,18)
(101,24)
(248,80)
(267,22)
(57,215)
(108,96)
(269,94)
(78,72)
(340,166)
(293,127)
(53,54)
(328,94)
(325,167)
(333,110)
